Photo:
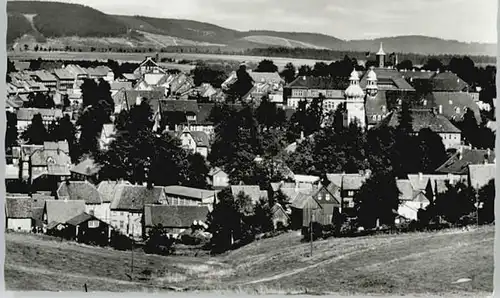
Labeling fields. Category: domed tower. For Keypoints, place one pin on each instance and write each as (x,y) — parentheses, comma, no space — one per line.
(381,57)
(371,86)
(355,100)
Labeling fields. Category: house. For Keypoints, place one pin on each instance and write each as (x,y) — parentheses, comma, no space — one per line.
(411,200)
(25,116)
(180,86)
(182,195)
(47,79)
(65,79)
(107,135)
(86,170)
(87,228)
(48,166)
(428,118)
(87,192)
(218,178)
(201,120)
(78,73)
(19,214)
(101,72)
(307,210)
(195,141)
(459,162)
(130,77)
(208,92)
(148,65)
(174,219)
(253,191)
(388,79)
(348,185)
(127,207)
(480,175)
(302,180)
(279,217)
(452,105)
(433,184)
(448,82)
(107,189)
(119,85)
(308,87)
(126,99)
(57,212)
(183,111)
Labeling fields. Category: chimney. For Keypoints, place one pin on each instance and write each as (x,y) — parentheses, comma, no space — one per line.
(420,176)
(138,101)
(440,109)
(302,135)
(488,152)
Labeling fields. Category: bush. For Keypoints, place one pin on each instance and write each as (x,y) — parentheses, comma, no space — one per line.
(120,241)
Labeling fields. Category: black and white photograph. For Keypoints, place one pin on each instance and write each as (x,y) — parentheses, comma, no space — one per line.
(251,147)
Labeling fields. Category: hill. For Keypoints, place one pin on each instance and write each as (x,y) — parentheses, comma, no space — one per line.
(418,263)
(71,24)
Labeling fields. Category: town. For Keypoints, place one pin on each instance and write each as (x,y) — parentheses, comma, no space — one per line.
(128,155)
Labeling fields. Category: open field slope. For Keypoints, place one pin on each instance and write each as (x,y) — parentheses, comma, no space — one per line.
(55,20)
(419,263)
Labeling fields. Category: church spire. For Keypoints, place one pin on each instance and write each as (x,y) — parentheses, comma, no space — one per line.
(381,56)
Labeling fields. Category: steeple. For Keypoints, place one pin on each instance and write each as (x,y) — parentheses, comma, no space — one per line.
(381,56)
(371,87)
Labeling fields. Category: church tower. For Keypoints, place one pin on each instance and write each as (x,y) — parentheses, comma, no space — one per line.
(371,86)
(355,101)
(381,57)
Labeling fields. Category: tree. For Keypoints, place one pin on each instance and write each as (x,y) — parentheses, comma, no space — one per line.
(377,199)
(288,73)
(487,201)
(432,150)
(266,66)
(36,133)
(159,241)
(64,130)
(433,64)
(11,132)
(457,201)
(204,73)
(405,64)
(320,69)
(305,70)
(242,86)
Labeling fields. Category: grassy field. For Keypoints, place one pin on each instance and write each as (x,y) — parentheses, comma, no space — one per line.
(419,263)
(137,57)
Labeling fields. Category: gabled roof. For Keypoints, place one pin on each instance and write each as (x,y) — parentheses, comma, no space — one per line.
(18,207)
(63,74)
(333,190)
(303,200)
(408,193)
(253,191)
(310,82)
(387,79)
(60,211)
(117,85)
(134,197)
(265,77)
(480,175)
(130,97)
(45,76)
(276,209)
(108,189)
(353,181)
(76,70)
(60,145)
(179,106)
(130,76)
(458,163)
(189,192)
(79,190)
(454,104)
(448,81)
(87,167)
(424,118)
(216,171)
(174,216)
(418,75)
(81,218)
(26,114)
(50,157)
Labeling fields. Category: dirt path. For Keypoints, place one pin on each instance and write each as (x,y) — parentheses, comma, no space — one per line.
(341,257)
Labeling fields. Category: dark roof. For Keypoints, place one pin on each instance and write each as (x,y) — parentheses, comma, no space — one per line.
(310,82)
(174,216)
(87,167)
(134,197)
(388,79)
(424,118)
(179,106)
(81,218)
(79,190)
(448,81)
(18,207)
(60,211)
(418,75)
(152,96)
(458,163)
(454,104)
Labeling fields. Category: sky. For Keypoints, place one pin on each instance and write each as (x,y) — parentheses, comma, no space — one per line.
(463,20)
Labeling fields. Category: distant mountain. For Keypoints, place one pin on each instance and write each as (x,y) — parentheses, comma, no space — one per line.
(55,23)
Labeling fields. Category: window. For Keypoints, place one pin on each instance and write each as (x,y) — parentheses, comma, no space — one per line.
(93,224)
(350,193)
(351,204)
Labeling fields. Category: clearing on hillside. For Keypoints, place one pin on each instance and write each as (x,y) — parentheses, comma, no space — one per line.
(417,263)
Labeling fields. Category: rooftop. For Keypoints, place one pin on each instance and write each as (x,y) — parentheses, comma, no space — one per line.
(79,190)
(424,118)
